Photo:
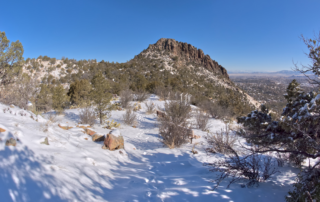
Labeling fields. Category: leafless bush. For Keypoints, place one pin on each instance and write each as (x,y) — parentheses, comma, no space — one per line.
(20,92)
(202,121)
(52,117)
(130,118)
(162,92)
(126,97)
(87,116)
(222,141)
(215,110)
(173,126)
(253,168)
(141,96)
(150,107)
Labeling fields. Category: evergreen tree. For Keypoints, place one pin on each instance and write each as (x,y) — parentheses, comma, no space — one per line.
(44,98)
(11,59)
(79,92)
(59,98)
(100,95)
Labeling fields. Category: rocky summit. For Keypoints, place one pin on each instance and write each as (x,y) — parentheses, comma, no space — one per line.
(189,53)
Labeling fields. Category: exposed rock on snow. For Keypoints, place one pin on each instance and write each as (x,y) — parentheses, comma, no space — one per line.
(64,127)
(89,132)
(46,141)
(2,130)
(98,138)
(11,142)
(113,142)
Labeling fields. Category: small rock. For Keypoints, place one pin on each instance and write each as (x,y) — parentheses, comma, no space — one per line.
(64,127)
(11,106)
(82,126)
(2,130)
(194,151)
(11,142)
(243,186)
(86,138)
(104,147)
(46,141)
(98,138)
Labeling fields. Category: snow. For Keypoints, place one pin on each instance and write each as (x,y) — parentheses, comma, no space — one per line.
(72,168)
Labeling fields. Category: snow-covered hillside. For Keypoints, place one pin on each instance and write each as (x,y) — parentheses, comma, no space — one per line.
(74,168)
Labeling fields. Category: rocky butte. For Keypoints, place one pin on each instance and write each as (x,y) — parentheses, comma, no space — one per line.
(190,54)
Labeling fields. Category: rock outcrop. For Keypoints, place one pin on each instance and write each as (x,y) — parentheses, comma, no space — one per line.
(114,141)
(190,54)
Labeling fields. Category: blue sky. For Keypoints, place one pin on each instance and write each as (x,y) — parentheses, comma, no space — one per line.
(241,35)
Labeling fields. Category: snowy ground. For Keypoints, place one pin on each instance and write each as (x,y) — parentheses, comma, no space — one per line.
(72,168)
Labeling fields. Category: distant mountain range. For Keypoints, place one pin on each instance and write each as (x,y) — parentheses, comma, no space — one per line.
(282,72)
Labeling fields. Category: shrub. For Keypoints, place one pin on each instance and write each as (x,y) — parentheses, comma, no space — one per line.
(141,96)
(222,141)
(126,97)
(173,125)
(129,118)
(202,121)
(253,167)
(150,107)
(87,116)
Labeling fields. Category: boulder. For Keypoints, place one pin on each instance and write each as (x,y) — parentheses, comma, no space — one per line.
(89,132)
(2,130)
(113,142)
(11,142)
(98,138)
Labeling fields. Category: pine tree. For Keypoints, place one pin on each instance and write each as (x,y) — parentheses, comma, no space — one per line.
(79,92)
(59,98)
(44,98)
(100,95)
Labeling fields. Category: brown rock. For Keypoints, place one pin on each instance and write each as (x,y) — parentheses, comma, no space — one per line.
(83,127)
(2,130)
(98,138)
(64,127)
(161,114)
(190,54)
(112,142)
(90,132)
(11,142)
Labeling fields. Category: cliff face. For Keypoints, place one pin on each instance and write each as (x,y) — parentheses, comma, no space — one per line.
(190,54)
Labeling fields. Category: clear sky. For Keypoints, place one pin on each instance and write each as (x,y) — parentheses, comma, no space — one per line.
(256,35)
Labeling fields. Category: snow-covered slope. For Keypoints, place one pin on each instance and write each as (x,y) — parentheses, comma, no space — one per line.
(72,168)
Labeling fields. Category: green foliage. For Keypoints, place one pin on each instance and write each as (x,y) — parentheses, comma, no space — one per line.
(11,59)
(100,95)
(59,98)
(44,98)
(79,92)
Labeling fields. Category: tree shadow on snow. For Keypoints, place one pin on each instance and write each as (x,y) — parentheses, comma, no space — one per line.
(22,178)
